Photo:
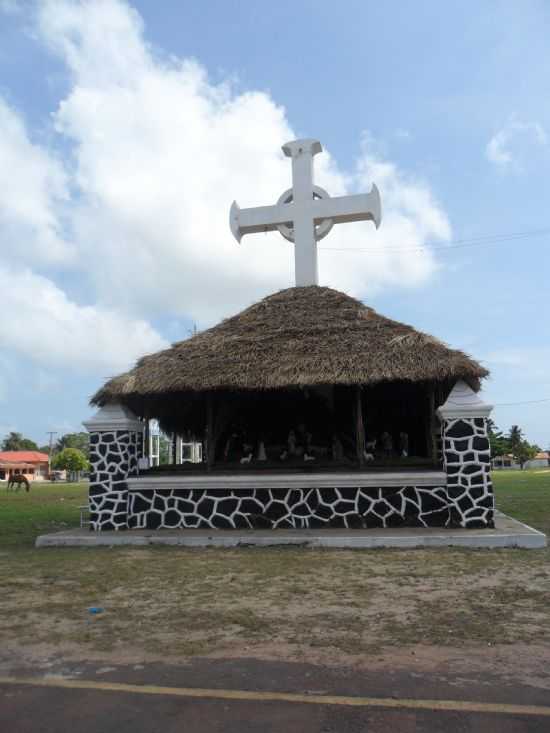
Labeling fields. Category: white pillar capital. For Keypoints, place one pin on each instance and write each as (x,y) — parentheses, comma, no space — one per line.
(111,417)
(463,402)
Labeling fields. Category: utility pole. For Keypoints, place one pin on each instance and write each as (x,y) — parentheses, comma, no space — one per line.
(51,433)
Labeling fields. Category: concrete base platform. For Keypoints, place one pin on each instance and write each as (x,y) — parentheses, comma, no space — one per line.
(508,532)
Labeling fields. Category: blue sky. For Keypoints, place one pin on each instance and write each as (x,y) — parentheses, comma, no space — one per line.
(127,130)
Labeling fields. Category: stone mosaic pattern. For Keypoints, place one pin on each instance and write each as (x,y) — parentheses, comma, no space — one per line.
(466,501)
(351,508)
(467,459)
(113,458)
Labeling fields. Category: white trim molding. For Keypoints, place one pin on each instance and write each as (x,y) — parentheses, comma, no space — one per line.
(463,402)
(318,480)
(113,417)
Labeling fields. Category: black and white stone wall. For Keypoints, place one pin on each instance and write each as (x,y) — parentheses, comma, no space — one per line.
(352,508)
(113,458)
(466,501)
(467,459)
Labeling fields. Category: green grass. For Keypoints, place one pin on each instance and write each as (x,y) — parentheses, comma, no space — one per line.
(48,507)
(176,601)
(525,495)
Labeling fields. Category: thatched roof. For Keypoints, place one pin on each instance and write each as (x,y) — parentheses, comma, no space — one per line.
(302,336)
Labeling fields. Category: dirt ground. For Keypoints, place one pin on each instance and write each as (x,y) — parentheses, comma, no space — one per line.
(515,664)
(451,613)
(427,609)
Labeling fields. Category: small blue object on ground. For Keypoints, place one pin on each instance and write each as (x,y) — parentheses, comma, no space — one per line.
(95,609)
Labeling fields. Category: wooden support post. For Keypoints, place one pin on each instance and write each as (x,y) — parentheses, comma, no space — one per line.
(432,446)
(427,419)
(210,440)
(359,427)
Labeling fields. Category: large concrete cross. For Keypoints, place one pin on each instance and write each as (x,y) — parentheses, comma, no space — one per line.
(305,213)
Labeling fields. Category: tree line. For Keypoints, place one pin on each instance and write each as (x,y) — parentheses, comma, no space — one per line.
(512,443)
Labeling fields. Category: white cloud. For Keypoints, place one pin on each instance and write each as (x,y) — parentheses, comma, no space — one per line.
(41,323)
(139,206)
(34,194)
(100,40)
(510,145)
(160,153)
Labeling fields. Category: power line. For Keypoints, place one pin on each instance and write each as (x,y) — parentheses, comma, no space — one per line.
(527,402)
(480,241)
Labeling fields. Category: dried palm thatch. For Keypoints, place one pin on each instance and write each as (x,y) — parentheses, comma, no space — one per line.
(303,336)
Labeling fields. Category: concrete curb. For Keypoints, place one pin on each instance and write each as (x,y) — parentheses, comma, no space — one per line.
(507,533)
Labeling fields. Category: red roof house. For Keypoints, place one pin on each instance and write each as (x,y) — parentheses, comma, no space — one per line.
(31,463)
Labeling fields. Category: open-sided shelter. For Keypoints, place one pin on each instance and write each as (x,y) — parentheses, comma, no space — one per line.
(314,410)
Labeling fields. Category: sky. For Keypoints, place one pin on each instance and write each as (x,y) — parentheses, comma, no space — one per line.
(127,130)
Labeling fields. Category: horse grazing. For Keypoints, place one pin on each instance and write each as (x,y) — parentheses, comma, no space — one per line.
(18,478)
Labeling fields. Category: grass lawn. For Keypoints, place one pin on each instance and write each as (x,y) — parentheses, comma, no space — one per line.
(525,495)
(48,507)
(178,601)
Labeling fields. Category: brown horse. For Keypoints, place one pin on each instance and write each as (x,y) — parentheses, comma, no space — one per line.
(18,478)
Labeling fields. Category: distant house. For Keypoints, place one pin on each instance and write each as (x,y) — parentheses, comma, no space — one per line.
(508,461)
(30,463)
(540,460)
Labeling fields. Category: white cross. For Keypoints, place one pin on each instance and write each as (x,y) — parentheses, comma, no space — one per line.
(305,213)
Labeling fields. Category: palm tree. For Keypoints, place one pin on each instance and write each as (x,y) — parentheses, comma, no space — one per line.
(16,441)
(520,448)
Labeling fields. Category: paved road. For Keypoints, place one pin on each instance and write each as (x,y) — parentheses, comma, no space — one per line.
(240,696)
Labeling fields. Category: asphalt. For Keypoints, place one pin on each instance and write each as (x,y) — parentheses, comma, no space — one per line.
(241,695)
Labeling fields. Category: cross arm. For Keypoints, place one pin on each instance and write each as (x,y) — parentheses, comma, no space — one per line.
(342,209)
(257,219)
